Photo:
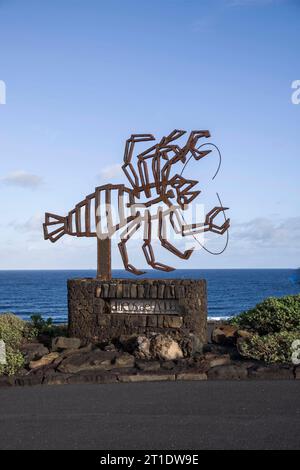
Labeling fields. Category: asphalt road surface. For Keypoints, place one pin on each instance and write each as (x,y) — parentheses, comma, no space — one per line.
(152,416)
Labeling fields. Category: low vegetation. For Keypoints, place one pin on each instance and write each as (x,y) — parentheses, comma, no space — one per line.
(275,324)
(13,331)
(273,315)
(273,348)
(47,327)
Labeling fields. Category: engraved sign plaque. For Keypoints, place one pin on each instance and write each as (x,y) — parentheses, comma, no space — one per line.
(145,306)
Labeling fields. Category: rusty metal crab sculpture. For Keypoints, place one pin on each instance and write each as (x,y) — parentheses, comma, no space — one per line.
(152,184)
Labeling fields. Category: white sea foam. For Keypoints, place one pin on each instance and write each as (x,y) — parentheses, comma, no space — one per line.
(228,317)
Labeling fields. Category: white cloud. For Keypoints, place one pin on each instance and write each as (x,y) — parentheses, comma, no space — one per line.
(31,225)
(269,232)
(22,179)
(112,171)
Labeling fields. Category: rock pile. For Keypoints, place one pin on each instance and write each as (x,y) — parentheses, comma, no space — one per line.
(155,357)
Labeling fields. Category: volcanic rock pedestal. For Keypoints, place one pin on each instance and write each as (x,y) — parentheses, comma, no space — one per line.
(105,310)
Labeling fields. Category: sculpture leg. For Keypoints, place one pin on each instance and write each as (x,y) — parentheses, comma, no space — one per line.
(166,244)
(147,247)
(208,225)
(125,236)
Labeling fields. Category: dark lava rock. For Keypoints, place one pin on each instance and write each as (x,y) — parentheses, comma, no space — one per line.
(148,366)
(168,365)
(124,360)
(191,345)
(30,379)
(33,351)
(147,377)
(109,347)
(62,342)
(224,335)
(228,372)
(55,378)
(218,349)
(6,381)
(93,377)
(96,359)
(271,372)
(191,375)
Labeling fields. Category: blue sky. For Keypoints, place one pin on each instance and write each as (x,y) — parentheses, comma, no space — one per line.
(81,76)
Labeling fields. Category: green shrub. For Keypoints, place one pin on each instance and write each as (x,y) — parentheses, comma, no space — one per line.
(275,323)
(14,362)
(40,324)
(273,315)
(272,348)
(13,331)
(46,327)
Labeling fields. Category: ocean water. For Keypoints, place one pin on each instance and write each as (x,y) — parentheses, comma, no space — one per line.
(230,291)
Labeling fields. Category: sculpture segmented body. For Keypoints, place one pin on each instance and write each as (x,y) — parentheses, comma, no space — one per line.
(93,216)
